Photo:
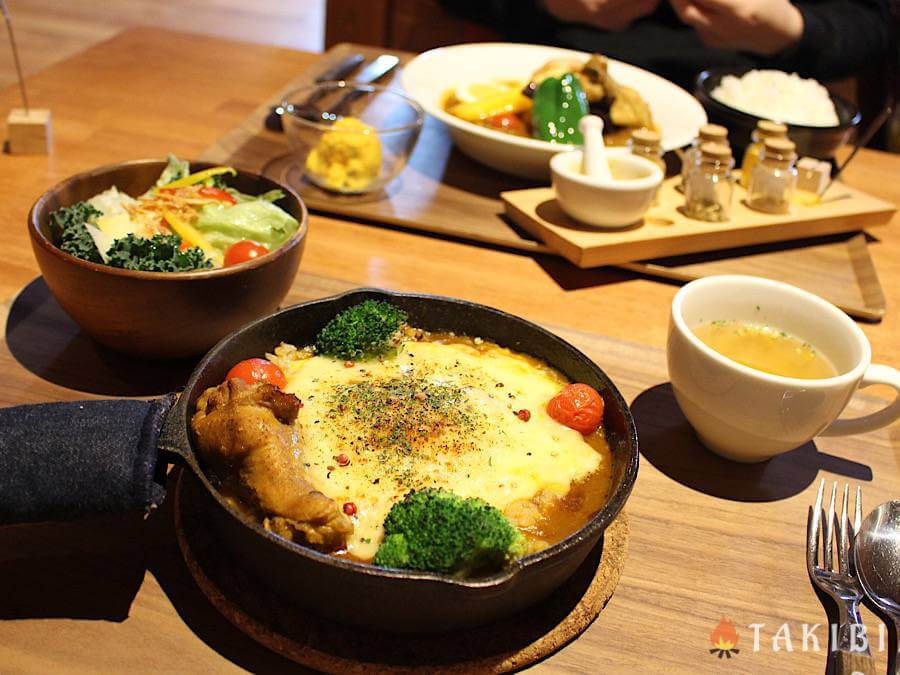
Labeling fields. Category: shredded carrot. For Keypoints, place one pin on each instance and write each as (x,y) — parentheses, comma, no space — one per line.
(183,202)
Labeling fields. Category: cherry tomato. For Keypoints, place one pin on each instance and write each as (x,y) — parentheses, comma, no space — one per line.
(578,406)
(217,193)
(243,251)
(258,370)
(508,122)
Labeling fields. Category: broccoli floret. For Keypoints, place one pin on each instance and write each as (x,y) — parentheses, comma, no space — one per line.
(393,552)
(362,331)
(69,233)
(439,531)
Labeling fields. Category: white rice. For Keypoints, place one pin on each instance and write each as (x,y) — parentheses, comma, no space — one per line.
(777,96)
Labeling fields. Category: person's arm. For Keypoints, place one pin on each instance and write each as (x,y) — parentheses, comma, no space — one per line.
(763,27)
(840,37)
(827,40)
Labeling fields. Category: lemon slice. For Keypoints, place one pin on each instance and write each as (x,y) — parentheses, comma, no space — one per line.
(472,93)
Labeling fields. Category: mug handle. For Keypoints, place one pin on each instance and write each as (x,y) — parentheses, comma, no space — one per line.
(875,374)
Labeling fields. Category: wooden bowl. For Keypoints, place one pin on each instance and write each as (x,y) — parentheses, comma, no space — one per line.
(161,314)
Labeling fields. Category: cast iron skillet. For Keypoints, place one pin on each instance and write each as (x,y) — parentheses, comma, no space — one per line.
(403,601)
(87,458)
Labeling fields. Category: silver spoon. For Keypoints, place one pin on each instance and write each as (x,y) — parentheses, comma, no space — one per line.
(876,553)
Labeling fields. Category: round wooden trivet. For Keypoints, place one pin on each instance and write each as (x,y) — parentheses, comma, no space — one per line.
(327,646)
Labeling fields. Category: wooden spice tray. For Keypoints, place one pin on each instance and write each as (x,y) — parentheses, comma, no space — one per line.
(666,231)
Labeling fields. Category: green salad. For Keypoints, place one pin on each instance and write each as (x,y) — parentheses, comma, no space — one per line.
(185,221)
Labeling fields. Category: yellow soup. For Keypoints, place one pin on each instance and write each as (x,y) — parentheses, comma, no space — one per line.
(766,348)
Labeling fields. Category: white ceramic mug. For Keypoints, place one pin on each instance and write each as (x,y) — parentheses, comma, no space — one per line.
(749,415)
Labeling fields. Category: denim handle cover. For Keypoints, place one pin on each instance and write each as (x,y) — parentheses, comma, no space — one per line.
(64,461)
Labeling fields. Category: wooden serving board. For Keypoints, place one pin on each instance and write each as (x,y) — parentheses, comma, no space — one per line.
(666,231)
(445,193)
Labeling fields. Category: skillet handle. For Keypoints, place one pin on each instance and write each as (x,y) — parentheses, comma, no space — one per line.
(174,443)
(64,461)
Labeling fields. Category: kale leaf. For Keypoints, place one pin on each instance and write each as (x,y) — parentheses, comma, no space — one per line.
(69,233)
(218,181)
(159,254)
(162,253)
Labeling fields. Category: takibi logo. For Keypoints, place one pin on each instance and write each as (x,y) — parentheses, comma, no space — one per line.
(724,638)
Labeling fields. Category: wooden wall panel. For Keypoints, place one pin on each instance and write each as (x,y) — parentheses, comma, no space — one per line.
(417,25)
(353,21)
(408,25)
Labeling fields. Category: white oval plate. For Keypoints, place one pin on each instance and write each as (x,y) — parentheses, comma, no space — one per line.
(677,114)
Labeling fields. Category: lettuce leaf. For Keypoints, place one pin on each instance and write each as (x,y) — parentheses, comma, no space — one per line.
(111,202)
(175,169)
(257,220)
(270,196)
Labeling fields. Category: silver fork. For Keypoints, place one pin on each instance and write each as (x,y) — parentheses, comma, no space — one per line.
(834,577)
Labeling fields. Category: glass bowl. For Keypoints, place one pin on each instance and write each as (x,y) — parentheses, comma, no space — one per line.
(351,138)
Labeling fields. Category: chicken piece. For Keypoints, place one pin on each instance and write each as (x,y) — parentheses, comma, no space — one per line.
(523,513)
(596,71)
(248,429)
(630,110)
(594,90)
(556,68)
(592,87)
(595,79)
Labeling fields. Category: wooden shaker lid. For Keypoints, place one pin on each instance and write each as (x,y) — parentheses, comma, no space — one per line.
(646,137)
(770,129)
(713,133)
(718,151)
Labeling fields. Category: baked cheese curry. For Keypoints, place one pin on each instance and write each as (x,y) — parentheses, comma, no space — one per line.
(436,411)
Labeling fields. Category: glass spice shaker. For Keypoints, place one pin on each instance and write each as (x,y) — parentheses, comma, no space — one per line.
(774,178)
(709,188)
(709,133)
(646,143)
(764,131)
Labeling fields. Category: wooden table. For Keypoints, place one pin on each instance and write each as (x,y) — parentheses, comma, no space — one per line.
(114,596)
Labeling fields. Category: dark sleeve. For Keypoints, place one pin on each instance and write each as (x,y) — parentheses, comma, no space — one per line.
(519,20)
(840,38)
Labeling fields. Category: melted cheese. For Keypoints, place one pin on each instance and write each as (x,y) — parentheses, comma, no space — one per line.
(432,415)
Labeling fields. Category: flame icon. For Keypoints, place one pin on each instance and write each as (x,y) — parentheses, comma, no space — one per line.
(724,638)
